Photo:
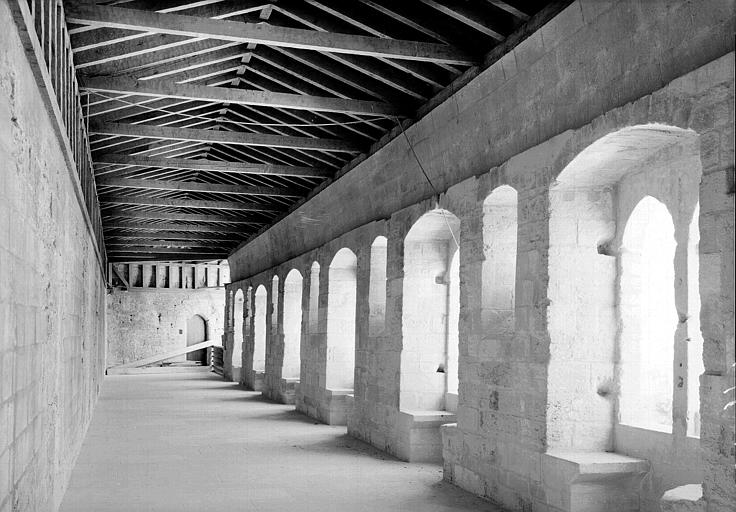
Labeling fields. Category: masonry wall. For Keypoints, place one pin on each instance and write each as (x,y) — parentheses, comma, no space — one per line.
(141,324)
(573,69)
(52,297)
(597,68)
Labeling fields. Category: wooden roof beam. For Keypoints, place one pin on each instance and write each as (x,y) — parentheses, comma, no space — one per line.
(212,165)
(120,199)
(506,6)
(191,26)
(170,252)
(424,71)
(168,227)
(107,36)
(221,137)
(193,186)
(465,16)
(133,245)
(198,61)
(188,217)
(170,235)
(162,89)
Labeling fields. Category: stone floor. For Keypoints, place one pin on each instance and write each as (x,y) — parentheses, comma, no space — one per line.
(192,442)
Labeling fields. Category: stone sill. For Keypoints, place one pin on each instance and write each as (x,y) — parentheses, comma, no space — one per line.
(338,392)
(685,498)
(573,466)
(425,419)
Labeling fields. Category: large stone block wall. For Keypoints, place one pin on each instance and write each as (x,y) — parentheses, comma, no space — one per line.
(52,297)
(520,123)
(141,324)
(575,68)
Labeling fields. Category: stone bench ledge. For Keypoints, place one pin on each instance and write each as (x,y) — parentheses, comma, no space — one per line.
(685,498)
(425,419)
(338,392)
(574,466)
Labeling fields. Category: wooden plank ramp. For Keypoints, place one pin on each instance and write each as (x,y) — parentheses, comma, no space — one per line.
(125,368)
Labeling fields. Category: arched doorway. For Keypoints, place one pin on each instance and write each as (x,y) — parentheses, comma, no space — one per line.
(197,333)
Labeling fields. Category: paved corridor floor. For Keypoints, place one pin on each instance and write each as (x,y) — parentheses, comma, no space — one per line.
(193,442)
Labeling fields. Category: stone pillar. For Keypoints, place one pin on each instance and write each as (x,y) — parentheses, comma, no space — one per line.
(227,337)
(715,126)
(275,344)
(359,415)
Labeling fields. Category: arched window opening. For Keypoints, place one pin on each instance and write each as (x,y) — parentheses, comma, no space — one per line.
(648,317)
(453,334)
(430,311)
(238,330)
(695,367)
(259,330)
(275,305)
(613,283)
(500,229)
(341,305)
(313,298)
(292,324)
(377,287)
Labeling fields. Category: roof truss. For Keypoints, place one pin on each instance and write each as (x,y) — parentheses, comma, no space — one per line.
(211,118)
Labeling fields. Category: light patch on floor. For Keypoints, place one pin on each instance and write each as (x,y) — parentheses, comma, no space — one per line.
(192,442)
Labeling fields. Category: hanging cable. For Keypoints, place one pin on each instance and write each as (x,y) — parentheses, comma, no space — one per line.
(426,176)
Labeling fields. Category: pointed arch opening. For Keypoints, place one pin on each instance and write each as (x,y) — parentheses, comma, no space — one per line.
(236,360)
(648,317)
(259,329)
(430,312)
(377,286)
(275,306)
(292,324)
(341,310)
(500,231)
(313,298)
(622,264)
(695,366)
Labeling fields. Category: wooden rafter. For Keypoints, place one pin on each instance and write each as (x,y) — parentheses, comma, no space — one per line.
(188,228)
(212,165)
(464,15)
(195,27)
(161,89)
(192,186)
(187,203)
(222,137)
(170,235)
(148,214)
(193,104)
(181,244)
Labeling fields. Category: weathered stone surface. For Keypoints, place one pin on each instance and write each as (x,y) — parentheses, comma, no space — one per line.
(52,297)
(514,125)
(146,323)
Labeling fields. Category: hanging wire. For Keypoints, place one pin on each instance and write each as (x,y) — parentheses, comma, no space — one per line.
(421,167)
(229,121)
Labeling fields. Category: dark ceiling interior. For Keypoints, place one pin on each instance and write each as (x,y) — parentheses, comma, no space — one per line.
(210,119)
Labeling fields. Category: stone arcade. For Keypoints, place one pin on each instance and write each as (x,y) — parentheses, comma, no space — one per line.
(516,266)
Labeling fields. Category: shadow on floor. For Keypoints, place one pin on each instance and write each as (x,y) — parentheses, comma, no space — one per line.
(348,446)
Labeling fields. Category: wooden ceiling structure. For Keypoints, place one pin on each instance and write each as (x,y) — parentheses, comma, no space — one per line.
(211,119)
